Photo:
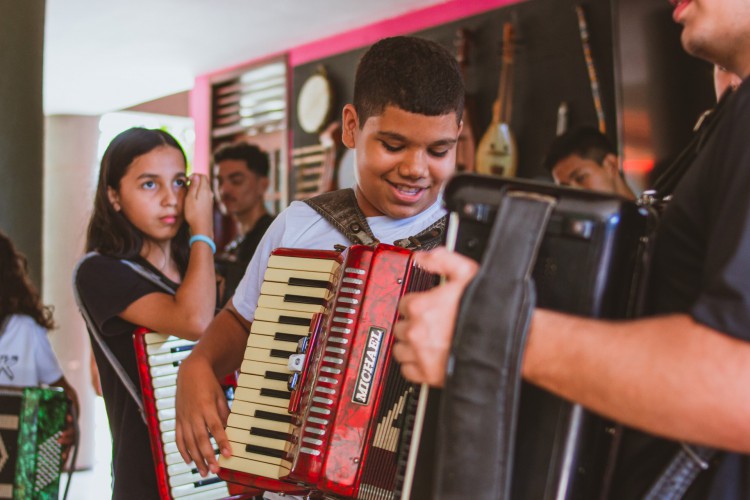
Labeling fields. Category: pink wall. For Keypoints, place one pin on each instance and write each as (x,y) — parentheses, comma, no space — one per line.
(417,20)
(200,110)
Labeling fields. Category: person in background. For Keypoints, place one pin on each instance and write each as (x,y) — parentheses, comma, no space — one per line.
(144,214)
(26,356)
(681,373)
(584,158)
(240,182)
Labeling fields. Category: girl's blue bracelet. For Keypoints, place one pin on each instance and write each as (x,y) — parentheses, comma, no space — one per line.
(205,239)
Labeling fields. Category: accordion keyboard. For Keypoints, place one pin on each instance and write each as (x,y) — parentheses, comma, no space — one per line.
(163,355)
(260,427)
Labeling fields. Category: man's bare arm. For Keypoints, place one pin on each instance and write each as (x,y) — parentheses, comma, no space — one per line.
(668,375)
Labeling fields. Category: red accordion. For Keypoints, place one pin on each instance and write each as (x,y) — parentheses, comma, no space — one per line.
(320,404)
(159,357)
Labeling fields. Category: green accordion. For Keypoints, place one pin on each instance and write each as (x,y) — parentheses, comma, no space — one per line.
(31,422)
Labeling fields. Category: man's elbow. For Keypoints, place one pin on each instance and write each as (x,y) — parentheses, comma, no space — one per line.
(736,435)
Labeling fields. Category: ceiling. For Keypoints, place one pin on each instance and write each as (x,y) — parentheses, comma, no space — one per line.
(106,56)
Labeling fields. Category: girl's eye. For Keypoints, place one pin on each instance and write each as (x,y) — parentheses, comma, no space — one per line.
(439,154)
(149,185)
(391,147)
(181,183)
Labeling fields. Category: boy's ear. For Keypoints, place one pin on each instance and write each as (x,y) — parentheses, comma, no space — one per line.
(114,198)
(611,164)
(264,182)
(349,126)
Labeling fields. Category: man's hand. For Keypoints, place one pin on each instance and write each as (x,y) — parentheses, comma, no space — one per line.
(68,437)
(425,330)
(201,408)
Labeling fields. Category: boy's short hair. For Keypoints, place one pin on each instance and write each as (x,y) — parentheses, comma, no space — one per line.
(414,74)
(586,142)
(255,159)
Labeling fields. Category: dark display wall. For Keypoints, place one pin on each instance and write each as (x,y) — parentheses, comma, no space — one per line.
(663,90)
(22,127)
(549,68)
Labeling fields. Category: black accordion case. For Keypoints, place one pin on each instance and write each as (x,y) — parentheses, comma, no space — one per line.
(592,262)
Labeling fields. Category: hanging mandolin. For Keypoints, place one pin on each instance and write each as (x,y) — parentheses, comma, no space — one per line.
(497,152)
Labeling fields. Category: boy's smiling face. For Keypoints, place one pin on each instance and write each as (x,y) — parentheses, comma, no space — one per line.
(403,159)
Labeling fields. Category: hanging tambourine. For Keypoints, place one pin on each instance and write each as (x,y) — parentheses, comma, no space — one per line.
(314,102)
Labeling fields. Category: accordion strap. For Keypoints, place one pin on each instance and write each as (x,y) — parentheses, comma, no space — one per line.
(97,335)
(431,237)
(680,473)
(340,208)
(478,412)
(667,181)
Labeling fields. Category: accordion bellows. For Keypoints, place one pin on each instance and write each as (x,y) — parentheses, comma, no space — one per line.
(32,420)
(335,426)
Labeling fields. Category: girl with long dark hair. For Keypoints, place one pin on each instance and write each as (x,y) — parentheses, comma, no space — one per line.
(145,211)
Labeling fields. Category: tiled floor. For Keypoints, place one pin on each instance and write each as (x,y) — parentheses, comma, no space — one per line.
(94,484)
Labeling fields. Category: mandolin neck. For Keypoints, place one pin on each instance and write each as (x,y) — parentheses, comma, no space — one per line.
(502,108)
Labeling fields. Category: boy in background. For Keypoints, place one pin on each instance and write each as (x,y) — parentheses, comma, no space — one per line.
(240,183)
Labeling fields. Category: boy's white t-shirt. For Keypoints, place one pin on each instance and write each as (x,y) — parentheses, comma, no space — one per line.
(26,356)
(300,226)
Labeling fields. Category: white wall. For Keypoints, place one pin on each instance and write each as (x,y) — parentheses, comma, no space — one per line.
(70,170)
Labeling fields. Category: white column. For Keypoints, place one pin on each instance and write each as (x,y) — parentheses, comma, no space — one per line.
(70,174)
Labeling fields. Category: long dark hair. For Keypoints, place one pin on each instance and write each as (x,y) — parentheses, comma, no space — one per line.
(110,232)
(17,294)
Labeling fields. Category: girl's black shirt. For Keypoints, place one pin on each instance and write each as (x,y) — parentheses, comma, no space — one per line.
(107,287)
